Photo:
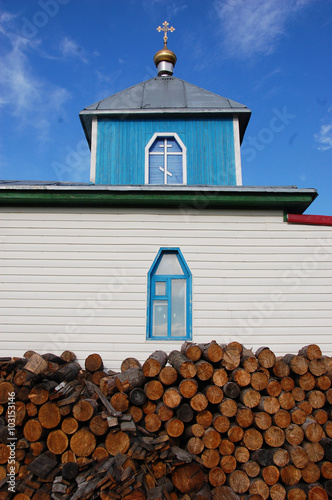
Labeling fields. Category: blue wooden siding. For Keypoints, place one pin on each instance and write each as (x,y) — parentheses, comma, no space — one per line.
(210,149)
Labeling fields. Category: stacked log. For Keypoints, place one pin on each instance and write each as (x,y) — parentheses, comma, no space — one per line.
(206,421)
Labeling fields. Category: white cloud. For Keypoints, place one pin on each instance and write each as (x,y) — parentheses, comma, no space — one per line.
(24,93)
(5,17)
(324,137)
(69,48)
(252,27)
(20,89)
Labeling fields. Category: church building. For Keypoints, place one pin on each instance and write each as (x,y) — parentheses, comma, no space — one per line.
(164,244)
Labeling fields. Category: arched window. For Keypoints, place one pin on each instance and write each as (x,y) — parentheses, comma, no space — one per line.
(165,160)
(169,297)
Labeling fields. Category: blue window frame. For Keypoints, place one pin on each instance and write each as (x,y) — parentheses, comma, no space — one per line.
(169,297)
(165,160)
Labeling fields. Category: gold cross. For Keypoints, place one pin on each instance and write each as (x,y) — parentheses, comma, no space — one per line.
(165,29)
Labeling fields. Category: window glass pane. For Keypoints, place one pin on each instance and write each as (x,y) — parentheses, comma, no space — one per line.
(157,146)
(160,288)
(174,167)
(156,176)
(159,321)
(173,146)
(178,308)
(169,264)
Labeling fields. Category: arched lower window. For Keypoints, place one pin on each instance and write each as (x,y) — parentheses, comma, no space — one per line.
(165,160)
(169,297)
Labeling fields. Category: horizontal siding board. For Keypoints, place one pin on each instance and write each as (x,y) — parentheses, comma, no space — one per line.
(232,299)
(216,236)
(95,282)
(104,272)
(103,317)
(167,230)
(76,279)
(45,215)
(235,302)
(246,251)
(82,310)
(211,289)
(32,260)
(87,334)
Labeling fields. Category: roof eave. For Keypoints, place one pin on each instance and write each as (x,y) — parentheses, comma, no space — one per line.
(287,199)
(86,115)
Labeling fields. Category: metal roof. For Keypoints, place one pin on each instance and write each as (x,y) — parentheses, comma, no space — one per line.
(286,198)
(164,95)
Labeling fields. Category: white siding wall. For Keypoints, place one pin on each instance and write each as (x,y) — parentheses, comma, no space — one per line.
(76,279)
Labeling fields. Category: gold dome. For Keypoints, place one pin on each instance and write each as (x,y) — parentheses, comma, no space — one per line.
(164,55)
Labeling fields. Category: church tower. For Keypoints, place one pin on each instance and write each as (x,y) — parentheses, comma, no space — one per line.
(165,132)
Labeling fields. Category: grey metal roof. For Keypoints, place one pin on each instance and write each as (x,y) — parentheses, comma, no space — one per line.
(164,95)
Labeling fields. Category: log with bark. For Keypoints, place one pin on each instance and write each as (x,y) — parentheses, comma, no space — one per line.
(206,421)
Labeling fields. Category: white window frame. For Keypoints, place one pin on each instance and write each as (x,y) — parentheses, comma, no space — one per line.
(184,155)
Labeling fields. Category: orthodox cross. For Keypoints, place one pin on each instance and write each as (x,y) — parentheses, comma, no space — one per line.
(165,29)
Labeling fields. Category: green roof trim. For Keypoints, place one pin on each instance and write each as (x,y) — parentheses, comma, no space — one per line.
(288,199)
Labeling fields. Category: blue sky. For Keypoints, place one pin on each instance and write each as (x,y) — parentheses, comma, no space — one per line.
(59,56)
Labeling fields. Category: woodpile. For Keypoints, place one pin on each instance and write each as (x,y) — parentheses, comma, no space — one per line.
(205,422)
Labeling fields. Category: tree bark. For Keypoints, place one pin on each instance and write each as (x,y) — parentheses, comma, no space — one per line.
(185,413)
(266,358)
(93,362)
(182,364)
(231,390)
(154,364)
(311,351)
(297,364)
(191,351)
(249,361)
(212,352)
